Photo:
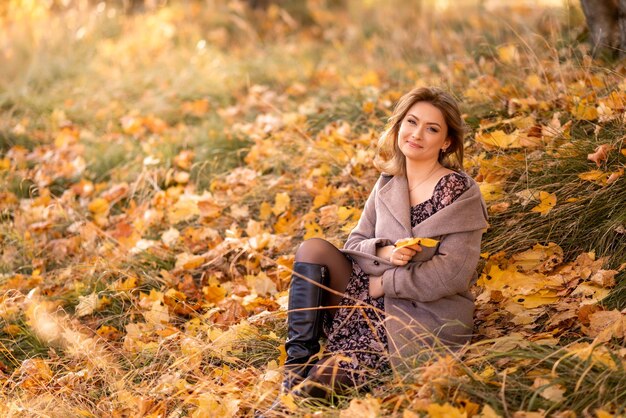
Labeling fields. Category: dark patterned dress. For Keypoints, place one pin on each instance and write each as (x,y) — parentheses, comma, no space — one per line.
(356,331)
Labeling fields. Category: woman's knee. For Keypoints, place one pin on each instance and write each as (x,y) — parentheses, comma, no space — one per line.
(315,250)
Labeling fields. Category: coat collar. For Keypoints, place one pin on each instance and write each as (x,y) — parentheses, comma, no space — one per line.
(395,196)
(467,213)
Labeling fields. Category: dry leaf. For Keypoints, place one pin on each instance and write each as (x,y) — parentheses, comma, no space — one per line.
(604,278)
(368,407)
(548,201)
(549,391)
(600,154)
(445,411)
(491,192)
(281,204)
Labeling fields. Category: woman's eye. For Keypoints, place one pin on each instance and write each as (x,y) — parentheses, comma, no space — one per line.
(411,121)
(434,130)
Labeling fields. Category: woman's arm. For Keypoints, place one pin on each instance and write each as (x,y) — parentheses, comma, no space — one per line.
(363,236)
(449,272)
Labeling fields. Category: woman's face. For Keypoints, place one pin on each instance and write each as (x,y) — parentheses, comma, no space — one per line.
(423,133)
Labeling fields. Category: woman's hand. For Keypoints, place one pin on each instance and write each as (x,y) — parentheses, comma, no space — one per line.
(398,256)
(402,256)
(376,286)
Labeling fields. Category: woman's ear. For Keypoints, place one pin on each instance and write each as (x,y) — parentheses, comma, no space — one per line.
(446,144)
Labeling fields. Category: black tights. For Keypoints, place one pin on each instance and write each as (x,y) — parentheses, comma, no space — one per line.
(326,377)
(319,251)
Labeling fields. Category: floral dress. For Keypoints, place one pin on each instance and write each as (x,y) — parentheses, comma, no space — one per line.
(356,331)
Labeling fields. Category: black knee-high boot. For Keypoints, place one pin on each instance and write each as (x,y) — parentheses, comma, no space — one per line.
(304,320)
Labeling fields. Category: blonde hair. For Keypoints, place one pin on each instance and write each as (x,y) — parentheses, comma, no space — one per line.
(389,159)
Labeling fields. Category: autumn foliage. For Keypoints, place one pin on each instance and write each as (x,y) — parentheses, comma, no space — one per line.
(159,170)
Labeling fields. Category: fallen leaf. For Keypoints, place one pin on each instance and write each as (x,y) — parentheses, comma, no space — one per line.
(548,390)
(604,278)
(491,192)
(281,203)
(548,201)
(584,111)
(368,407)
(600,154)
(445,411)
(508,54)
(499,139)
(604,325)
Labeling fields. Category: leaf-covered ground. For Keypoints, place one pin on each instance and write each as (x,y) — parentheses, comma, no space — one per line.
(159,169)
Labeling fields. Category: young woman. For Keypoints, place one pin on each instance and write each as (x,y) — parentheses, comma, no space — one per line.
(378,304)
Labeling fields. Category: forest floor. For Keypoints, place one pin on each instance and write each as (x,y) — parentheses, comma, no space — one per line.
(159,169)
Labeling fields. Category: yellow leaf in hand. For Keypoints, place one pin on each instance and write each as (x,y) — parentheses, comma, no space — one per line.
(548,201)
(424,242)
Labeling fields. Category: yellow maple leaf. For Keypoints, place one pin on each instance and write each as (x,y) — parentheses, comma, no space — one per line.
(535,300)
(345,212)
(488,412)
(209,209)
(368,407)
(323,197)
(131,124)
(584,111)
(424,242)
(491,191)
(98,206)
(592,175)
(158,314)
(508,54)
(499,139)
(265,211)
(183,210)
(281,203)
(445,411)
(289,402)
(128,284)
(533,82)
(213,293)
(313,230)
(285,224)
(261,284)
(368,107)
(188,261)
(548,201)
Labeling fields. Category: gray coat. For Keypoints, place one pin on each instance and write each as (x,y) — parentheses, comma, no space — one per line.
(429,298)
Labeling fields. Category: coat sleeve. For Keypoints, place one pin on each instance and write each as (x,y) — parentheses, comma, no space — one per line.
(363,237)
(447,273)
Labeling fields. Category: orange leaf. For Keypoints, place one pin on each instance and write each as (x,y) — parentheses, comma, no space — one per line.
(600,154)
(98,206)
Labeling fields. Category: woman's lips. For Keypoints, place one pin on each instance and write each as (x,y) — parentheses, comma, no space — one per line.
(413,144)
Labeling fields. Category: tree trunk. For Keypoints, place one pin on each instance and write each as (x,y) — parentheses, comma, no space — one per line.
(606,20)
